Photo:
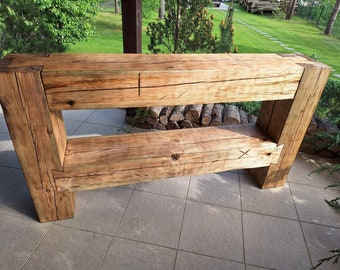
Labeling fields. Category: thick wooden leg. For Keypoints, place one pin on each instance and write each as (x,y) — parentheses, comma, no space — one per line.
(39,139)
(286,121)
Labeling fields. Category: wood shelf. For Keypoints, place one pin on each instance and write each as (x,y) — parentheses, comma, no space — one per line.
(95,162)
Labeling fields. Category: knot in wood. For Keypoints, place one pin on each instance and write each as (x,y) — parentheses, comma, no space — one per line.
(70,102)
(175,156)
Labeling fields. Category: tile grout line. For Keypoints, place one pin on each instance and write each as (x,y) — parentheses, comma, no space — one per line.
(82,122)
(180,232)
(159,194)
(303,234)
(213,257)
(115,232)
(242,224)
(218,205)
(306,184)
(11,167)
(36,247)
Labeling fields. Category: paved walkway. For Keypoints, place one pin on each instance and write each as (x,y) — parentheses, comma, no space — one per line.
(214,221)
(281,43)
(273,39)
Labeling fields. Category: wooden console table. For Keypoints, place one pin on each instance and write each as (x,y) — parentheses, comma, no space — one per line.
(35,88)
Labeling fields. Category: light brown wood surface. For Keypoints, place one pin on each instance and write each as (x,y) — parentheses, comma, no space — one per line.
(80,81)
(36,87)
(39,139)
(286,121)
(132,158)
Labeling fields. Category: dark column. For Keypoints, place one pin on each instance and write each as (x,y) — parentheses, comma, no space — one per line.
(132,26)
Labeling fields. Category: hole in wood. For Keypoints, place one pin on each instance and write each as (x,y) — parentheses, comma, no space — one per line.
(175,156)
(70,102)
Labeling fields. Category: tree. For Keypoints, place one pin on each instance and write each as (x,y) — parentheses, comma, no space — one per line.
(161,12)
(290,10)
(44,25)
(117,6)
(225,42)
(185,29)
(148,7)
(332,19)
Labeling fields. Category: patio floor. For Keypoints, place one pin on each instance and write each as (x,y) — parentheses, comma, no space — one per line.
(214,221)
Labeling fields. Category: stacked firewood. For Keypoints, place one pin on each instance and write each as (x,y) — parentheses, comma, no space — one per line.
(187,116)
(190,116)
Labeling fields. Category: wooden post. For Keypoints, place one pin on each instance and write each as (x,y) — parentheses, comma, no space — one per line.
(132,26)
(39,139)
(286,121)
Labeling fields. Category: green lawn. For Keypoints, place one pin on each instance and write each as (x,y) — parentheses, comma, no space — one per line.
(297,34)
(108,37)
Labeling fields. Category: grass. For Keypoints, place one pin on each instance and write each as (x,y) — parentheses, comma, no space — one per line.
(108,37)
(298,34)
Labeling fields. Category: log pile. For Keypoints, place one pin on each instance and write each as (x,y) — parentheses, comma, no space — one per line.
(192,116)
(260,6)
(187,116)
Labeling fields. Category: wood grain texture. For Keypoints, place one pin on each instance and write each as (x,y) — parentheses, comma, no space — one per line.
(35,88)
(39,139)
(289,120)
(81,82)
(133,158)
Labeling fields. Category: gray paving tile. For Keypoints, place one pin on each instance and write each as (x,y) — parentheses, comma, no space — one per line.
(108,117)
(302,167)
(20,204)
(11,180)
(19,238)
(311,207)
(130,255)
(274,242)
(67,248)
(153,218)
(320,240)
(245,171)
(212,230)
(252,267)
(187,261)
(78,115)
(219,189)
(208,229)
(5,141)
(86,130)
(177,187)
(276,201)
(99,210)
(3,126)
(71,126)
(8,156)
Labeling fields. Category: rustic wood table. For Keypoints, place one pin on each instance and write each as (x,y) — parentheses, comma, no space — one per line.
(35,88)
